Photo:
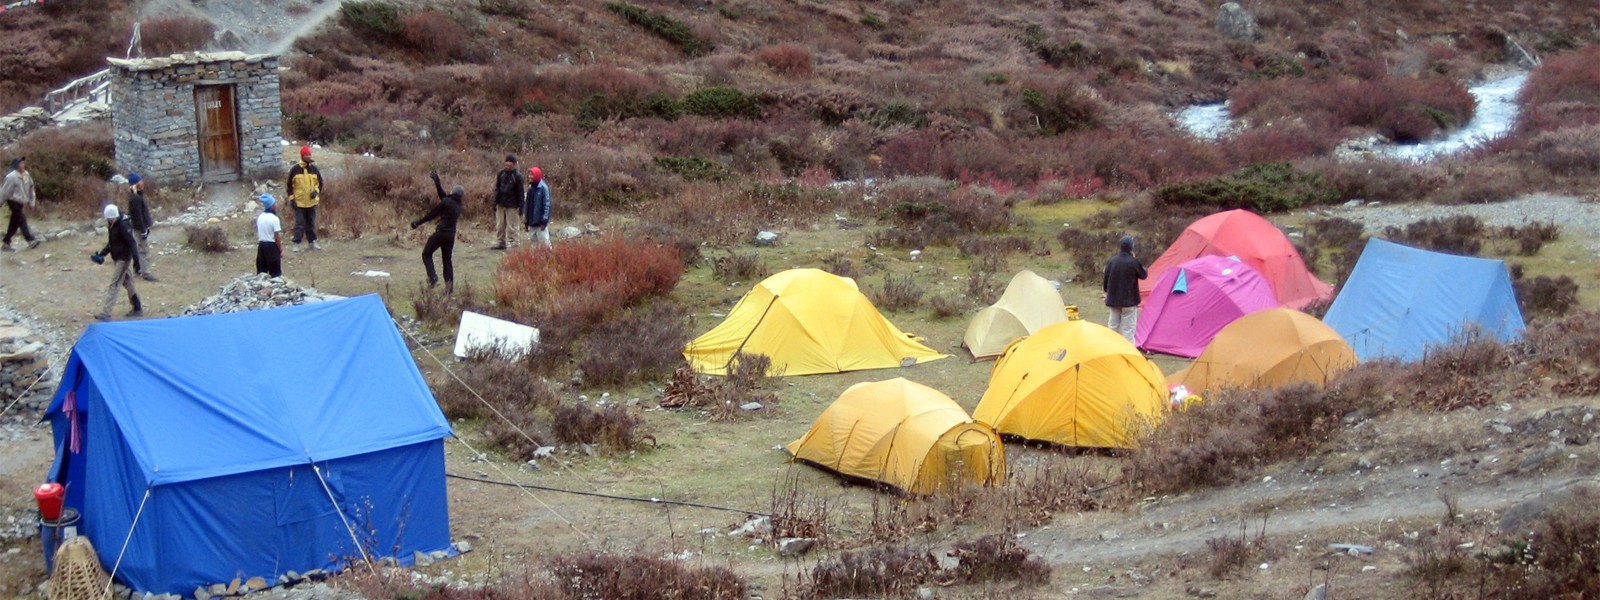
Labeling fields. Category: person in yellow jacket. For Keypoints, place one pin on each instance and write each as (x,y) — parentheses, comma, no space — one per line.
(305,191)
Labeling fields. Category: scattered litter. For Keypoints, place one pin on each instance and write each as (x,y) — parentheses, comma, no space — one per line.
(370,273)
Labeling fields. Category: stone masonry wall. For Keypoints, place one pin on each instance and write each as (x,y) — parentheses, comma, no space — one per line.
(153,112)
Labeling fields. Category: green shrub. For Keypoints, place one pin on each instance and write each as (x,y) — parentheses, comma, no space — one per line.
(694,168)
(602,107)
(895,113)
(721,103)
(1063,110)
(372,17)
(1261,187)
(664,27)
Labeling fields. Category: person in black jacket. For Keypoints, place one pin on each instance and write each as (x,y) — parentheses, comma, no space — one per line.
(1121,285)
(507,202)
(124,251)
(448,211)
(139,212)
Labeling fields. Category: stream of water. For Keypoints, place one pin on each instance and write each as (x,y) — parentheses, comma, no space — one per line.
(1496,112)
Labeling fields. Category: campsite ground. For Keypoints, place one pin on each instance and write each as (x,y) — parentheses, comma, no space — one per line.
(1385,486)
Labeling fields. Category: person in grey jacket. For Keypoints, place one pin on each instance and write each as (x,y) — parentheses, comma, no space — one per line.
(17,192)
(536,209)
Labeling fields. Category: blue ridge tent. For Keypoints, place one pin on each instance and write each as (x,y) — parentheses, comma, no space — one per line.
(250,444)
(1399,301)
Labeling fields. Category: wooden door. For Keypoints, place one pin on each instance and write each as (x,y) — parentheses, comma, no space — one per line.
(219,132)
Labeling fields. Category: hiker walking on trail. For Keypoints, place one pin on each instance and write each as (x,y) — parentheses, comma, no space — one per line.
(269,239)
(448,211)
(536,210)
(305,191)
(1121,286)
(124,252)
(507,202)
(17,192)
(139,213)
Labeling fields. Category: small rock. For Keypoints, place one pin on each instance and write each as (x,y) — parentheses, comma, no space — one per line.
(795,547)
(570,232)
(1108,535)
(420,559)
(1544,456)
(439,554)
(219,589)
(766,238)
(755,528)
(1201,592)
(1368,568)
(256,584)
(463,546)
(1351,549)
(201,593)
(1318,593)
(925,593)
(751,406)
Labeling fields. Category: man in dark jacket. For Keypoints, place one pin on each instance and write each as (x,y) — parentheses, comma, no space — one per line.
(536,211)
(139,213)
(448,211)
(507,202)
(1121,285)
(124,251)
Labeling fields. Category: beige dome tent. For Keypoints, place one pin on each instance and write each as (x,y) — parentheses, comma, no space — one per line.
(1029,303)
(903,434)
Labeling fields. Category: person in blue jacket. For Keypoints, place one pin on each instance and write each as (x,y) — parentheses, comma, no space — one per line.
(536,208)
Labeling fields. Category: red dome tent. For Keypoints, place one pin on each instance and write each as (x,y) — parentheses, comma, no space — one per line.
(1257,243)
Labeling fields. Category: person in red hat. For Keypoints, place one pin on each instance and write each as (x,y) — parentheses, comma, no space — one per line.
(536,209)
(305,191)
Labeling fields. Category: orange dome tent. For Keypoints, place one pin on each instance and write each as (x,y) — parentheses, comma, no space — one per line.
(1269,349)
(1256,242)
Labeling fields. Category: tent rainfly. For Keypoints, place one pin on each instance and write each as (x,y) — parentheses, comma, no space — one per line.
(1195,300)
(1029,303)
(1400,301)
(1074,383)
(1269,349)
(807,321)
(903,434)
(250,444)
(1258,243)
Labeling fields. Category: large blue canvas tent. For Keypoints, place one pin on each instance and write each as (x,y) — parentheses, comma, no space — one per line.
(250,444)
(1400,300)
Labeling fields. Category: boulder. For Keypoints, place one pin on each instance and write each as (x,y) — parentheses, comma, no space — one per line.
(569,232)
(766,238)
(1237,23)
(795,547)
(1521,517)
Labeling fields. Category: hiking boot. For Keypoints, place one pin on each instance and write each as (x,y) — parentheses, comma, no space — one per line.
(135,313)
(33,244)
(316,246)
(102,316)
(296,247)
(498,247)
(7,248)
(148,277)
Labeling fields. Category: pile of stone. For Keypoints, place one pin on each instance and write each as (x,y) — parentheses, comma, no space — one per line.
(23,367)
(255,292)
(21,123)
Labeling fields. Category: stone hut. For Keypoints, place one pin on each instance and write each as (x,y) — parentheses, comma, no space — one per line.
(188,118)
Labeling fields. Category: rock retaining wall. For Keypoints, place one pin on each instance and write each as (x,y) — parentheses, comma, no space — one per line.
(21,123)
(24,367)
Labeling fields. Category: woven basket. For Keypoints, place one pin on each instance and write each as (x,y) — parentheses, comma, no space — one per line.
(78,575)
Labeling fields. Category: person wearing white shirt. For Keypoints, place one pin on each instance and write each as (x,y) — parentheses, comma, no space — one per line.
(269,239)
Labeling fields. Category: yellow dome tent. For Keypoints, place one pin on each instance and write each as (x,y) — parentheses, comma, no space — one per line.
(807,321)
(1269,349)
(903,434)
(1074,383)
(1028,304)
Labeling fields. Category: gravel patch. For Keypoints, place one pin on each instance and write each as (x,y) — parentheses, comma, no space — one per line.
(1577,218)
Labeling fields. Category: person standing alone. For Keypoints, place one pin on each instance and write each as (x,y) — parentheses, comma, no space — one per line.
(124,252)
(139,213)
(448,211)
(305,192)
(17,192)
(507,202)
(1121,285)
(536,211)
(269,239)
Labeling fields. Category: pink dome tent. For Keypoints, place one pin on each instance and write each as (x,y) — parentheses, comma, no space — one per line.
(1191,302)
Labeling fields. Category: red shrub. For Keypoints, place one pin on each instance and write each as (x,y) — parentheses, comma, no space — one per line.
(786,59)
(586,280)
(433,34)
(1402,108)
(1563,92)
(171,35)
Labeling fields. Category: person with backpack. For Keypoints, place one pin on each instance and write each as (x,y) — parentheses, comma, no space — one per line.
(305,192)
(448,211)
(139,212)
(507,202)
(536,210)
(124,252)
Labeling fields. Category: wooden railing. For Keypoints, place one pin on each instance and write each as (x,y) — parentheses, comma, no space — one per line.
(97,84)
